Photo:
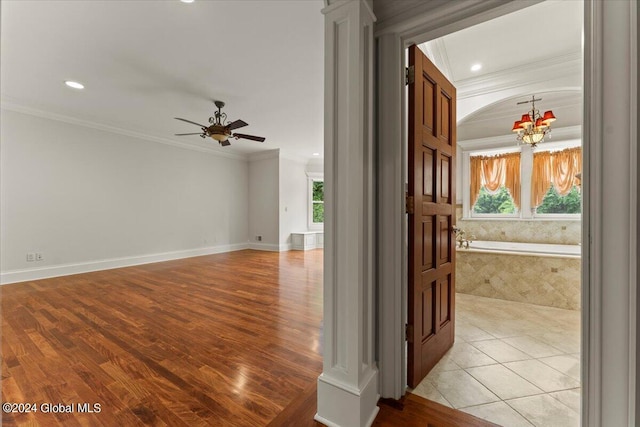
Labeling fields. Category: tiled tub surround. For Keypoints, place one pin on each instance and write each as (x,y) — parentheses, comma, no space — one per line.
(564,232)
(512,363)
(544,279)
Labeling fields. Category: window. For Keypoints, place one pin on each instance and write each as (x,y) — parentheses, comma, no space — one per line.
(554,203)
(495,184)
(501,183)
(316,201)
(499,202)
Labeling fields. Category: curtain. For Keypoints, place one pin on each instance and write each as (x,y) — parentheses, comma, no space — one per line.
(558,168)
(540,177)
(512,176)
(566,164)
(493,172)
(475,178)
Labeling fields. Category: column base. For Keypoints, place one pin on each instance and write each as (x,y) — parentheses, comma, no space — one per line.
(341,405)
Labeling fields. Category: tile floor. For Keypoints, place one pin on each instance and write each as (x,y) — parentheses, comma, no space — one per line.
(513,364)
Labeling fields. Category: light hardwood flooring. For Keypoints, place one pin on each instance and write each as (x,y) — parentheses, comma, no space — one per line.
(232,339)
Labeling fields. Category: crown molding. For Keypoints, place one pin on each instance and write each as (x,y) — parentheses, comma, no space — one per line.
(521,75)
(263,155)
(438,52)
(19,108)
(502,141)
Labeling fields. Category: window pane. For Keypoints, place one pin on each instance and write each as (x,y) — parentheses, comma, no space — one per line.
(499,203)
(318,191)
(553,203)
(318,212)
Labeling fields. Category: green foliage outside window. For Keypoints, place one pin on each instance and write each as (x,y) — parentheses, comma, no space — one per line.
(318,212)
(553,203)
(499,203)
(318,202)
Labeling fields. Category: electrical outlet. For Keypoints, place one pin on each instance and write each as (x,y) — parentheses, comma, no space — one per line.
(259,238)
(487,281)
(31,257)
(39,256)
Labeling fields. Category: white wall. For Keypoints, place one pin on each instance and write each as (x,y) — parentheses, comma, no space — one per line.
(80,195)
(264,201)
(293,200)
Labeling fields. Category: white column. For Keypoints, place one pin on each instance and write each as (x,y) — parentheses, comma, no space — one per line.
(391,220)
(348,385)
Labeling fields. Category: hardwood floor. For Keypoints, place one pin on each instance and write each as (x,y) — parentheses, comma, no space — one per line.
(225,340)
(222,340)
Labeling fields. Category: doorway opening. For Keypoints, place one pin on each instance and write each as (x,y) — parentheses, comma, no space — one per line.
(516,359)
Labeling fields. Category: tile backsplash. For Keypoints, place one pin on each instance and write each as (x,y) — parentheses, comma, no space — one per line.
(567,232)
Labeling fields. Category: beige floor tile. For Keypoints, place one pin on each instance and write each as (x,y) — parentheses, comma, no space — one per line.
(461,389)
(469,333)
(498,413)
(545,411)
(542,376)
(566,364)
(500,350)
(466,355)
(532,346)
(445,364)
(428,391)
(568,342)
(503,382)
(571,398)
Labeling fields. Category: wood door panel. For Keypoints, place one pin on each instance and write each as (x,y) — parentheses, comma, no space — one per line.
(428,311)
(431,171)
(445,123)
(429,91)
(444,301)
(428,248)
(444,240)
(445,179)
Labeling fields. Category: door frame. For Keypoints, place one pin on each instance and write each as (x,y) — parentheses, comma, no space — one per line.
(392,41)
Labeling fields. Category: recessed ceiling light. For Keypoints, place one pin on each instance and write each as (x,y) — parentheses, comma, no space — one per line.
(316,154)
(186,1)
(73,84)
(476,67)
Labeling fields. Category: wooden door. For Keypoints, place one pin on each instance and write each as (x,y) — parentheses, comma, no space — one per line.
(431,208)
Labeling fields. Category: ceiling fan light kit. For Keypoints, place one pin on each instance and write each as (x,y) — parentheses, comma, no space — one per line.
(220,128)
(533,127)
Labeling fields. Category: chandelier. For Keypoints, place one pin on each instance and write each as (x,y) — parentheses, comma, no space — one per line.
(532,127)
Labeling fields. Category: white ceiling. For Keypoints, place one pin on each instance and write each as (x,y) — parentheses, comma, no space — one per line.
(145,62)
(532,51)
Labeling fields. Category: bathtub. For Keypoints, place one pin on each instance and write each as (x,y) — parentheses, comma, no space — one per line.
(519,248)
(536,273)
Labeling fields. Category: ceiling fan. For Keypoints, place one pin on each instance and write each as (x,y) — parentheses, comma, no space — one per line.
(220,129)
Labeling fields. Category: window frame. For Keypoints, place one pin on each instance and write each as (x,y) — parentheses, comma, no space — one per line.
(311,178)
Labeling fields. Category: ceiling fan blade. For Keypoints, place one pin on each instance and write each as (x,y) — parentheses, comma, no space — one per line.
(189,121)
(225,143)
(251,137)
(237,124)
(181,134)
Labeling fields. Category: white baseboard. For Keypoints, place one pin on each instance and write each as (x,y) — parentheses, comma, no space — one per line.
(14,276)
(264,247)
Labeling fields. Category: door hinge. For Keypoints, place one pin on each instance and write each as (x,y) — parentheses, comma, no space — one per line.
(409,204)
(408,332)
(409,75)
